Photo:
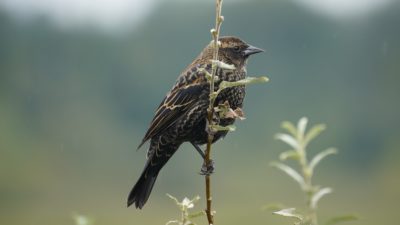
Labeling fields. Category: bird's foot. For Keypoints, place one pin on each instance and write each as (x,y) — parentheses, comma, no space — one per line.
(207,168)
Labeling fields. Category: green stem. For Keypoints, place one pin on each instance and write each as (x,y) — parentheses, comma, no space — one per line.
(184,217)
(307,175)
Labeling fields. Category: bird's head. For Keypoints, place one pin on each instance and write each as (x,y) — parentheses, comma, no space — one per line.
(233,50)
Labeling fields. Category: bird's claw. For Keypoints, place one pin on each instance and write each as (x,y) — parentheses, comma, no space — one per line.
(207,168)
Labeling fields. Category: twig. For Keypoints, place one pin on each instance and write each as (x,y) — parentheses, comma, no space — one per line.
(210,111)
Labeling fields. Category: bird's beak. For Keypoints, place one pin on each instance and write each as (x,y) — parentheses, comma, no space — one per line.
(252,50)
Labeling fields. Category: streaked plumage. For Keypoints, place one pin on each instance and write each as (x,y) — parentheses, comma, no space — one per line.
(181,116)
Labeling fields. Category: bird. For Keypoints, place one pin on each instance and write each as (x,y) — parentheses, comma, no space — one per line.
(182,115)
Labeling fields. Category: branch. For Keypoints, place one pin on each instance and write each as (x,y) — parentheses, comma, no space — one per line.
(210,111)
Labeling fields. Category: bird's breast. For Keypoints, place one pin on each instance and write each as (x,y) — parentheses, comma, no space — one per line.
(234,95)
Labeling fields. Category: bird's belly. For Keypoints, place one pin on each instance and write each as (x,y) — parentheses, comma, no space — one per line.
(235,97)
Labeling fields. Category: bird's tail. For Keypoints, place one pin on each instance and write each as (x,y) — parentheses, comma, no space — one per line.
(141,191)
(158,155)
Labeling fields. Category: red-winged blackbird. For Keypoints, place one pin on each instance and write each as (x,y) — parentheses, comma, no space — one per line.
(181,116)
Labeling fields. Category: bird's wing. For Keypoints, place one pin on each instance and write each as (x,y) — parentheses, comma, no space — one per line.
(178,101)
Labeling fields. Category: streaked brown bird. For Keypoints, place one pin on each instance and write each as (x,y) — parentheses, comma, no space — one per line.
(182,115)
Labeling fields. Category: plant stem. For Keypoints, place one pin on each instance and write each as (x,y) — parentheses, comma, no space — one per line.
(210,111)
(183,217)
(307,175)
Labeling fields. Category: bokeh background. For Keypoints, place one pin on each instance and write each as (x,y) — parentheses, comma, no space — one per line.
(80,80)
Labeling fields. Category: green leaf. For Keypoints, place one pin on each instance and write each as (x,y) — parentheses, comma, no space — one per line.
(288,140)
(273,207)
(289,127)
(245,81)
(317,196)
(314,132)
(291,154)
(301,127)
(208,75)
(172,222)
(290,212)
(291,172)
(223,128)
(317,158)
(214,95)
(197,214)
(195,199)
(341,219)
(223,65)
(175,199)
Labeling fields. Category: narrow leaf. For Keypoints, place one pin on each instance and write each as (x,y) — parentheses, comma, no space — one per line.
(175,199)
(291,172)
(301,126)
(317,196)
(273,207)
(195,199)
(289,127)
(172,222)
(197,214)
(314,132)
(223,128)
(223,65)
(214,95)
(341,219)
(291,154)
(314,162)
(288,140)
(208,75)
(289,213)
(245,81)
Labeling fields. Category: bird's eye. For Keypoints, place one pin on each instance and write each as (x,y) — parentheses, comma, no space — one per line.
(236,48)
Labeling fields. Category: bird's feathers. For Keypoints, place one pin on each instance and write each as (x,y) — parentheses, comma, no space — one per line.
(178,101)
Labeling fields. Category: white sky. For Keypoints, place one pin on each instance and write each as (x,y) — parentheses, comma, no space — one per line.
(344,9)
(111,14)
(108,14)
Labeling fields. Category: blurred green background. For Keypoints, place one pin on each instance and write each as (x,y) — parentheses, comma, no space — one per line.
(76,99)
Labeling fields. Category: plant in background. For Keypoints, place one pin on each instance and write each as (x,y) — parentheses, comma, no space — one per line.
(82,219)
(298,139)
(184,207)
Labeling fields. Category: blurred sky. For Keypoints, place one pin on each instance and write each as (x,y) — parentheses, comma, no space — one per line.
(120,14)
